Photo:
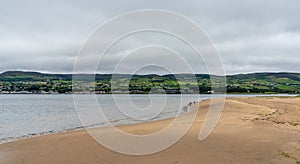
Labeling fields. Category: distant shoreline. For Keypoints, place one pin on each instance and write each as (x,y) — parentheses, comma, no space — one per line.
(288,94)
(256,83)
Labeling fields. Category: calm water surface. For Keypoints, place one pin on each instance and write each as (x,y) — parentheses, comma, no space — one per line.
(24,116)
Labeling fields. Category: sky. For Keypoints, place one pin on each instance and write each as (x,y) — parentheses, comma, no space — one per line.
(250,35)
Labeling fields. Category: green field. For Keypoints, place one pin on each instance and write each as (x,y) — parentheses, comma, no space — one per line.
(34,82)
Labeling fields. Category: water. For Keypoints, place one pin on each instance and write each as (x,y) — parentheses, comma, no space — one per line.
(24,116)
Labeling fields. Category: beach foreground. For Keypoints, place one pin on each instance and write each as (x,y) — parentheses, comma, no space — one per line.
(251,130)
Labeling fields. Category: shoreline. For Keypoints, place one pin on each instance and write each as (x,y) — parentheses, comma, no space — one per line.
(102,125)
(28,136)
(251,130)
(227,93)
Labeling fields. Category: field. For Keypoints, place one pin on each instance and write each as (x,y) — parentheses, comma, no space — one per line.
(34,82)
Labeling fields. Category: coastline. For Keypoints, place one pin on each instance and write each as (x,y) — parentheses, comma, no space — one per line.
(123,122)
(251,130)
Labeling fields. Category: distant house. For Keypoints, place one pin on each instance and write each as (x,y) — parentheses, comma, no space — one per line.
(24,92)
(157,90)
(100,92)
(171,91)
(187,91)
(157,80)
(135,91)
(211,92)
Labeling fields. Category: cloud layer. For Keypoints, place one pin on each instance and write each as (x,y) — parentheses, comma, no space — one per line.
(250,35)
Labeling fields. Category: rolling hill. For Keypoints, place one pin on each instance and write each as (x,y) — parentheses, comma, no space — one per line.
(36,82)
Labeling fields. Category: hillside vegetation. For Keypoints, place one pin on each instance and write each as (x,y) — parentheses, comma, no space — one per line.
(35,82)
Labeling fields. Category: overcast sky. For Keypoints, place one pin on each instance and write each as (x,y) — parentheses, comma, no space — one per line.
(251,36)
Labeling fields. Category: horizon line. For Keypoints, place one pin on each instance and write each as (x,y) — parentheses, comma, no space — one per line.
(69,73)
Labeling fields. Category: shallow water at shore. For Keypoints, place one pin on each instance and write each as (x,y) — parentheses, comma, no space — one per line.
(23,116)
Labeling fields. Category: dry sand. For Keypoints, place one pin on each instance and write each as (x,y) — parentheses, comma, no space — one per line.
(251,130)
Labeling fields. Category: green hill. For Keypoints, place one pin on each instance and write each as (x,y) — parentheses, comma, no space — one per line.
(35,82)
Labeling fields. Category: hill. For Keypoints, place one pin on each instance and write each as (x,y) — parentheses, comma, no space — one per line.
(36,82)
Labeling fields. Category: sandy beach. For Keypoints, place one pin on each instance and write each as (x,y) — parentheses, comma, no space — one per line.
(251,130)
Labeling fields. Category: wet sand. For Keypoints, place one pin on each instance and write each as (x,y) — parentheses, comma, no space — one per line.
(251,130)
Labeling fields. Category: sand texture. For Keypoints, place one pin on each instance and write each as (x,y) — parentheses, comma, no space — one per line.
(251,130)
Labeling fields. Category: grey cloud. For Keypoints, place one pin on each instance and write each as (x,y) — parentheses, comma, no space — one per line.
(251,35)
